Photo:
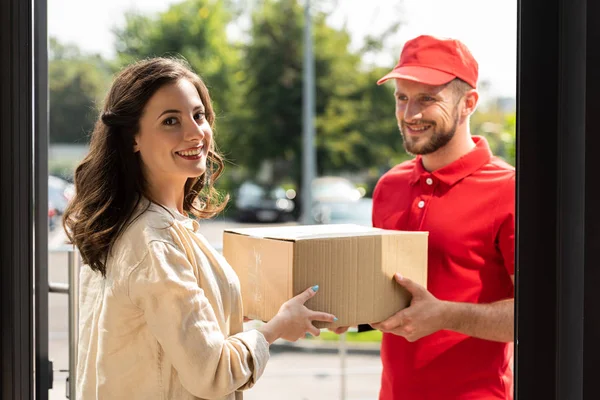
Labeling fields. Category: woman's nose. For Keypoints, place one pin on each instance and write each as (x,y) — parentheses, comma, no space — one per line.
(193,130)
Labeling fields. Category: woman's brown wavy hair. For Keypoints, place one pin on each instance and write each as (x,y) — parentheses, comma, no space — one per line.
(109,184)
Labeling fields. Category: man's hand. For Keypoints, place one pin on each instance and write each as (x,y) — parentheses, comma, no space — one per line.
(341,329)
(425,315)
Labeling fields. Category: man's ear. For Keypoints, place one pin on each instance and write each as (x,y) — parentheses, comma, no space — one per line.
(471,101)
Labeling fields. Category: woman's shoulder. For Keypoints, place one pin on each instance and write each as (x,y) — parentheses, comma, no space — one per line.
(146,226)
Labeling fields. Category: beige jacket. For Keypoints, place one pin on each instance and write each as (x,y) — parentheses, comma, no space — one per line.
(166,323)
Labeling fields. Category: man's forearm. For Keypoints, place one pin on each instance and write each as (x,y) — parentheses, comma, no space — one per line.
(494,321)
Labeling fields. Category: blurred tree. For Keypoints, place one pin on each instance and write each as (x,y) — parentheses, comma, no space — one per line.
(355,127)
(257,85)
(77,83)
(194,30)
(359,130)
(499,128)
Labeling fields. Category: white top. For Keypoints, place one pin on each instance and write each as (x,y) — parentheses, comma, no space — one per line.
(167,321)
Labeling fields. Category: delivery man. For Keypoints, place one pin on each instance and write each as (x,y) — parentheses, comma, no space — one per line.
(454,341)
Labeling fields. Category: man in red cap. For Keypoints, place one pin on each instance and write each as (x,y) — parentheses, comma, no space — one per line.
(454,341)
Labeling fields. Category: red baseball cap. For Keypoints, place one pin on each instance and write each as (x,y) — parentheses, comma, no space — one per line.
(434,61)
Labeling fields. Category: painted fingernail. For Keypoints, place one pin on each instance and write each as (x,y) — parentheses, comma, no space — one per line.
(335,319)
(307,335)
(315,288)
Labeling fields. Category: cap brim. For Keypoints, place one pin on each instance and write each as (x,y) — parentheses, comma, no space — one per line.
(428,76)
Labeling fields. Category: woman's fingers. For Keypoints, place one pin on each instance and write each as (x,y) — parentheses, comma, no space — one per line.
(322,316)
(307,294)
(314,330)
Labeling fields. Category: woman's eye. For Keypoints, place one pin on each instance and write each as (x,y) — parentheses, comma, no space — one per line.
(170,121)
(199,116)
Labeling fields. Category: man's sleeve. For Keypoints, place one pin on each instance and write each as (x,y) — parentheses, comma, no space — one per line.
(505,226)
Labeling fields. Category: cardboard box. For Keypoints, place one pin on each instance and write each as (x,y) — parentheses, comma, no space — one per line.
(353,265)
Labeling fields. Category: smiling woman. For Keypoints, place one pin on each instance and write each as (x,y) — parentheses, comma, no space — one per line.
(157,304)
(174,141)
(136,138)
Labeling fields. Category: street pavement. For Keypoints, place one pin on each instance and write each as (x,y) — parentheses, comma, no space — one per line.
(299,372)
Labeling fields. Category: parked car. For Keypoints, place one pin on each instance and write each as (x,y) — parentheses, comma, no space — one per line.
(256,203)
(60,192)
(337,200)
(52,217)
(344,212)
(335,188)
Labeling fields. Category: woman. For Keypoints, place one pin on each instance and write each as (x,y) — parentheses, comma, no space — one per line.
(160,309)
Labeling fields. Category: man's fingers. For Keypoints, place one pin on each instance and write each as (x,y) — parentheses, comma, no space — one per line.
(393,322)
(412,287)
(341,329)
(381,327)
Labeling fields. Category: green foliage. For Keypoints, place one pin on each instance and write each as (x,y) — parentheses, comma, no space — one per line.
(269,122)
(62,168)
(364,337)
(77,83)
(194,30)
(355,127)
(499,128)
(257,89)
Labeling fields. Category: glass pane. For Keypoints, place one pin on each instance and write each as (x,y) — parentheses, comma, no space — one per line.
(250,55)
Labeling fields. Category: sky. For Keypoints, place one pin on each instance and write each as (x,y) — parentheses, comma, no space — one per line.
(487,27)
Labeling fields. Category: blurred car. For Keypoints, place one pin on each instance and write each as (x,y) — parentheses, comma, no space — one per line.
(52,217)
(344,212)
(256,203)
(335,188)
(337,200)
(60,192)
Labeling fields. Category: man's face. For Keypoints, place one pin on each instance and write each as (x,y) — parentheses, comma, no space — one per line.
(427,115)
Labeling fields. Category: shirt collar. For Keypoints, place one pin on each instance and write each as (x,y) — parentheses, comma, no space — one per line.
(187,222)
(459,169)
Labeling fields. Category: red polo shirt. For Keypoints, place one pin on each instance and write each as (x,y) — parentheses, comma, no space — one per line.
(468,209)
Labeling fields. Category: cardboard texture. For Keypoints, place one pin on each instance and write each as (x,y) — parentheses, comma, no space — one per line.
(353,265)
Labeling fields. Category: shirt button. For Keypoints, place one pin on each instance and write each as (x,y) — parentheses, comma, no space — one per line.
(421,204)
(429,181)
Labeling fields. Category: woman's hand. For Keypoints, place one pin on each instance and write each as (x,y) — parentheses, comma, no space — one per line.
(294,320)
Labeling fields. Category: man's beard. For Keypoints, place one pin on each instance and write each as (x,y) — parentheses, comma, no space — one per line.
(436,141)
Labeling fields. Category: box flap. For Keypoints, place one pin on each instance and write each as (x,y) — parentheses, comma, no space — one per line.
(307,232)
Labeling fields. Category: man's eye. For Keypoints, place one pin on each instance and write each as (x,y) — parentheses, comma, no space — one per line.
(170,121)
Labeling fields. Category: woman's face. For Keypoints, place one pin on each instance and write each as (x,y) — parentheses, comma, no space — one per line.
(174,136)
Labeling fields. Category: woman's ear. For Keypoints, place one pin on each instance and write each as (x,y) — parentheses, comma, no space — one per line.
(136,147)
